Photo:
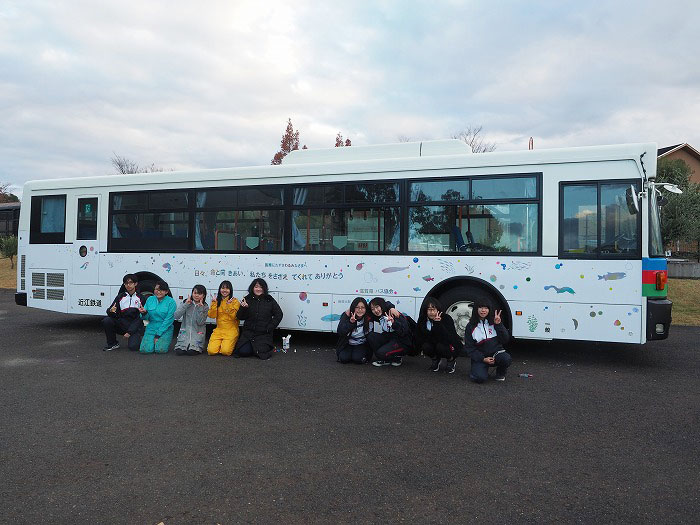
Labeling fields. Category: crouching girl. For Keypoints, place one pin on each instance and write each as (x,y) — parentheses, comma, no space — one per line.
(353,327)
(159,311)
(390,337)
(261,315)
(225,310)
(192,312)
(437,336)
(483,342)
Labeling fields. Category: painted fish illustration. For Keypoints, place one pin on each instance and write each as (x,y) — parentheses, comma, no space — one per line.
(614,276)
(167,267)
(392,269)
(428,278)
(84,266)
(416,289)
(563,289)
(359,266)
(330,317)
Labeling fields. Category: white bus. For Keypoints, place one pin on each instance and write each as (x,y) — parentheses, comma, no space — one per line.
(566,241)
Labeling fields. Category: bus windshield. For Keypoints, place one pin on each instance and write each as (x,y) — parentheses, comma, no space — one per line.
(656,245)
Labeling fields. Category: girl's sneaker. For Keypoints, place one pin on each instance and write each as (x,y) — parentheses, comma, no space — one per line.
(451,366)
(435,366)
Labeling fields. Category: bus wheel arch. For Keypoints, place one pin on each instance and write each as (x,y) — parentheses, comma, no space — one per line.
(457,295)
(147,281)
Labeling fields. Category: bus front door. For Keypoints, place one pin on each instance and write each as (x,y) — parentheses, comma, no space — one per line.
(86,242)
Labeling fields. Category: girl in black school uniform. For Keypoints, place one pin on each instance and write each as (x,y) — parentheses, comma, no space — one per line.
(483,342)
(353,327)
(390,337)
(437,336)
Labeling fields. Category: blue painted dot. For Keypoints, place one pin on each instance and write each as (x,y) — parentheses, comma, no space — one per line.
(415,259)
(515,287)
(309,300)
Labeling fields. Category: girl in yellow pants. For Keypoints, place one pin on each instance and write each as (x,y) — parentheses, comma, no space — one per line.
(224,309)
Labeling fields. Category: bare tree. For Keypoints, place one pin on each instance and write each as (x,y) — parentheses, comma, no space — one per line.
(124,166)
(471,137)
(339,142)
(404,138)
(5,195)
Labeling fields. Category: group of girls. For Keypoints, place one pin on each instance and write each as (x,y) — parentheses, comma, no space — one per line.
(376,332)
(379,334)
(258,310)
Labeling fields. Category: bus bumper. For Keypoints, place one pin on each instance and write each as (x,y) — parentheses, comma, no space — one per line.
(21,298)
(658,318)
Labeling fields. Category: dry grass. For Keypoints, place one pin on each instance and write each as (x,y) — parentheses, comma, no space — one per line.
(683,292)
(8,277)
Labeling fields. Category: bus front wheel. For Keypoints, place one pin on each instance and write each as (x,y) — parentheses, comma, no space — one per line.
(458,303)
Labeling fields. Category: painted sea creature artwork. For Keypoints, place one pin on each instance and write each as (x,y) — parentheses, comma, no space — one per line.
(563,289)
(302,296)
(519,265)
(446,266)
(330,317)
(612,276)
(167,267)
(416,289)
(359,266)
(85,265)
(428,278)
(392,269)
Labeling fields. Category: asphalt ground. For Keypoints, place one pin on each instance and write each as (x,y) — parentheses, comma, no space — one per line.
(600,433)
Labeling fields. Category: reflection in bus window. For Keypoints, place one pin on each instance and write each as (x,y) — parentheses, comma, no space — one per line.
(504,188)
(450,190)
(580,224)
(596,220)
(243,230)
(618,227)
(87,219)
(490,228)
(352,230)
(150,231)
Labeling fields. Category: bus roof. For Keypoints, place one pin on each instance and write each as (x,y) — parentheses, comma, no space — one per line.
(431,155)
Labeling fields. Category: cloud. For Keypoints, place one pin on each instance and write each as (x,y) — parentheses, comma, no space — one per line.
(210,85)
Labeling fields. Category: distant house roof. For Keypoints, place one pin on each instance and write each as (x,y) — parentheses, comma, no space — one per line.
(670,149)
(9,205)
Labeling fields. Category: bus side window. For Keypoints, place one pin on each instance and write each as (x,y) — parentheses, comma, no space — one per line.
(48,220)
(87,219)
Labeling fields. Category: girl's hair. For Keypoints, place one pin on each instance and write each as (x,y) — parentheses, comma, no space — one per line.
(162,285)
(429,301)
(378,301)
(259,281)
(200,289)
(355,302)
(224,284)
(478,303)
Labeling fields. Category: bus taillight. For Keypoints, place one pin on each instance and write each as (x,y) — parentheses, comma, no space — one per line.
(661,279)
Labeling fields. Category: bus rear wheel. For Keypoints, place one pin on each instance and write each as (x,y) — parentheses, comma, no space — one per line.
(458,303)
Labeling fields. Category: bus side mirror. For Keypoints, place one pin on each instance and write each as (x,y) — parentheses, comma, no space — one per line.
(632,200)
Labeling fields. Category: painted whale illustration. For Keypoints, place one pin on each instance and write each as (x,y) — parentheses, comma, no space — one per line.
(563,289)
(612,276)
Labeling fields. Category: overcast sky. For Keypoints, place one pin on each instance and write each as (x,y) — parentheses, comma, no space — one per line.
(211,83)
